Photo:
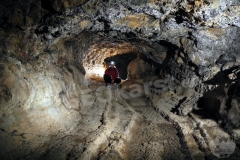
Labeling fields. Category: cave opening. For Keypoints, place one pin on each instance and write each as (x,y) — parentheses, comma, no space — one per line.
(99,55)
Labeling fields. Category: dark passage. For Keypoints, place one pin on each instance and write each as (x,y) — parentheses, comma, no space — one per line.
(121,62)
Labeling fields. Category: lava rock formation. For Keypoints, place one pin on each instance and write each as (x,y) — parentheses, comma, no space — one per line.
(180,61)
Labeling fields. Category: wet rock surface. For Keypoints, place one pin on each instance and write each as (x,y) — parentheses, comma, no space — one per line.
(179,98)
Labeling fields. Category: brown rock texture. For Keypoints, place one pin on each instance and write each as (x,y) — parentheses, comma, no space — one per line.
(179,64)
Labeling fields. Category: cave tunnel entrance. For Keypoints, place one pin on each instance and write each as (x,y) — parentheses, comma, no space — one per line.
(121,62)
(99,55)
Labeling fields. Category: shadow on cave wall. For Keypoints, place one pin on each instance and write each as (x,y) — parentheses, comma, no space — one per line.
(221,78)
(170,53)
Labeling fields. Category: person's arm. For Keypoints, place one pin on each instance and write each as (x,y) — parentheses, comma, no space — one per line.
(107,71)
(115,74)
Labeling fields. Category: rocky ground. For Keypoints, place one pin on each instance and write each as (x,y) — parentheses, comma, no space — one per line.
(113,127)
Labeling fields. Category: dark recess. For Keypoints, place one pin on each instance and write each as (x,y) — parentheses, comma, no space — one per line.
(46,4)
(106,25)
(130,35)
(181,16)
(209,107)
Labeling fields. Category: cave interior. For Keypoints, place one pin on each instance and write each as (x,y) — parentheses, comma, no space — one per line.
(179,64)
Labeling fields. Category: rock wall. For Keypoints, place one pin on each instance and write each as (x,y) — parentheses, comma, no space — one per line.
(189,48)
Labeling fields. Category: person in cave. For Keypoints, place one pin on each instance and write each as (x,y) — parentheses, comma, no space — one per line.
(111,74)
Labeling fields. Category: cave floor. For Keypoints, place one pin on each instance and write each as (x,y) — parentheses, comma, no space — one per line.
(114,127)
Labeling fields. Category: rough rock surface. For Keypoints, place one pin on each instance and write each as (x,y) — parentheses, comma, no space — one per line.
(180,58)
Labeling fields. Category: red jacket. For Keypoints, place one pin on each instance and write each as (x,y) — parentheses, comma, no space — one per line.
(113,72)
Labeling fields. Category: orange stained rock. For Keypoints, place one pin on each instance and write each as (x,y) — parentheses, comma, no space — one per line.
(133,21)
